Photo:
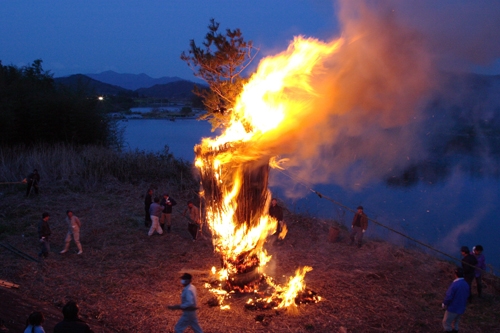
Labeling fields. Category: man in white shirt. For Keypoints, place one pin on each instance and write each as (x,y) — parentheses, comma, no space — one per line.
(74,225)
(188,306)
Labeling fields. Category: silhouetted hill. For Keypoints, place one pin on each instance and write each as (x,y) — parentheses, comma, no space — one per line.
(131,81)
(80,81)
(179,90)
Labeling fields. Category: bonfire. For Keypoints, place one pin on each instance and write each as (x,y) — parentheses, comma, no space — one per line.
(235,166)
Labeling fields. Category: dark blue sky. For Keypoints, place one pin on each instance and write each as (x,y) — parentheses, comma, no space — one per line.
(137,36)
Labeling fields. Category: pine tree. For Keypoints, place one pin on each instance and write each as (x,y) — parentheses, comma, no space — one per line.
(220,62)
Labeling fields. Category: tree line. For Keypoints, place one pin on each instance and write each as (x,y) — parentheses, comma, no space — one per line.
(33,110)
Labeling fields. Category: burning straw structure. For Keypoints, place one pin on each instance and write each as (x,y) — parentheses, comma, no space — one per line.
(236,198)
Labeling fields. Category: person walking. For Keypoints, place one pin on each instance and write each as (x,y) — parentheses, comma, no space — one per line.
(194,219)
(469,263)
(276,212)
(34,323)
(480,268)
(71,322)
(188,306)
(166,214)
(455,301)
(74,225)
(43,235)
(359,226)
(32,181)
(148,200)
(155,213)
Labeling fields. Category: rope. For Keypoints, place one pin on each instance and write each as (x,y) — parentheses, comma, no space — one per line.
(320,195)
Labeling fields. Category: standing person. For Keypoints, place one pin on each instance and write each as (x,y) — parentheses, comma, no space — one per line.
(276,212)
(74,225)
(194,219)
(43,235)
(32,181)
(455,301)
(480,268)
(71,322)
(166,215)
(469,263)
(188,306)
(148,200)
(359,225)
(34,323)
(155,213)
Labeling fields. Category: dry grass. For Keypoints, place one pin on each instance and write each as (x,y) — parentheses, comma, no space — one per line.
(125,279)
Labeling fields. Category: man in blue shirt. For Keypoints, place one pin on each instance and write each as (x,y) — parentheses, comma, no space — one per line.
(455,301)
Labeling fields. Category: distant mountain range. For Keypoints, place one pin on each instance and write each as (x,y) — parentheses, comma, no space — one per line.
(111,83)
(131,81)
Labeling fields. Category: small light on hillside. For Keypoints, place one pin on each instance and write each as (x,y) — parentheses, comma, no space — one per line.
(101,98)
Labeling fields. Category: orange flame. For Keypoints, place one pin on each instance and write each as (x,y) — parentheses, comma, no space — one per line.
(271,102)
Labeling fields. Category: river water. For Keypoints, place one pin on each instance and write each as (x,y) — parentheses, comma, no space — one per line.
(461,209)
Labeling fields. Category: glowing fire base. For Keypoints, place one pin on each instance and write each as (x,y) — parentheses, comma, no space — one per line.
(237,200)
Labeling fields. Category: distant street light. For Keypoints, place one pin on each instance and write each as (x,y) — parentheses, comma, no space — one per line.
(101,98)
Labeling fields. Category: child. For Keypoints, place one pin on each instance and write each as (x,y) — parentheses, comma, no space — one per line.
(34,323)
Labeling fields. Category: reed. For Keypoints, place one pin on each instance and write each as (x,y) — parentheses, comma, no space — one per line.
(88,167)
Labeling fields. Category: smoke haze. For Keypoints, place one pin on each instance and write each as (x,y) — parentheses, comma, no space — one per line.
(366,118)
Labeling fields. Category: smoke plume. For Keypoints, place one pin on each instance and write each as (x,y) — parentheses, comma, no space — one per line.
(365,117)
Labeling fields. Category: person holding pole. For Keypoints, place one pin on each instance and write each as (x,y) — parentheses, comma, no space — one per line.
(194,219)
(359,225)
(32,181)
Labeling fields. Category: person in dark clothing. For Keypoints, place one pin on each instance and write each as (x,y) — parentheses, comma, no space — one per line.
(43,235)
(166,214)
(71,322)
(148,200)
(469,263)
(275,211)
(32,181)
(359,225)
(480,268)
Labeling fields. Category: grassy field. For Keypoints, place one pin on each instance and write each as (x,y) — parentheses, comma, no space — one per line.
(124,280)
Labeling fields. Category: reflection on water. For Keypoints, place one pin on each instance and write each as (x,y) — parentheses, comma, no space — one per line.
(462,210)
(153,134)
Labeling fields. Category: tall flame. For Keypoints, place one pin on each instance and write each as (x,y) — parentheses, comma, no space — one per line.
(232,163)
(276,93)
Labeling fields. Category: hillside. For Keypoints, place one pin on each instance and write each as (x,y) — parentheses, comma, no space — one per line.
(123,273)
(80,81)
(179,90)
(131,81)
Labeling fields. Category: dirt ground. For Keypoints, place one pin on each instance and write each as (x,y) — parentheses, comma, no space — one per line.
(124,280)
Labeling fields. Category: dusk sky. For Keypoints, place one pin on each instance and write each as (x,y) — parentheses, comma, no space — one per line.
(132,36)
(135,36)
